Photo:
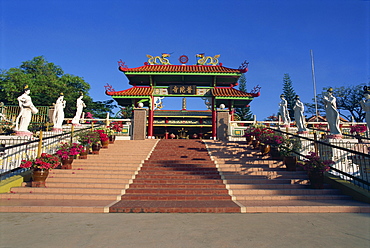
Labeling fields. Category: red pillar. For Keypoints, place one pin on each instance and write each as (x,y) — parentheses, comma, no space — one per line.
(150,118)
(214,119)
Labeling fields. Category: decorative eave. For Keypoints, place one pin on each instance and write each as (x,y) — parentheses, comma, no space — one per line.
(131,92)
(229,92)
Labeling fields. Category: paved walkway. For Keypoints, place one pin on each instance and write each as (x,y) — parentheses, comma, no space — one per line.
(184,230)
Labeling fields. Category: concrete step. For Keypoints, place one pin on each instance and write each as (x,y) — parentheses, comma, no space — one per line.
(34,195)
(175,207)
(153,197)
(175,191)
(66,190)
(285,192)
(93,180)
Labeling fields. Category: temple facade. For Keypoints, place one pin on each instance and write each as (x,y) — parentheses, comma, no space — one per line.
(158,79)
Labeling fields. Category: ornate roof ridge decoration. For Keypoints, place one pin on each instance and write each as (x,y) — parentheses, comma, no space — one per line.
(161,64)
(203,59)
(133,91)
(162,59)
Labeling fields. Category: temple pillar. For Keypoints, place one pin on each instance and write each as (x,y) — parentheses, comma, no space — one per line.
(151,119)
(214,119)
(139,125)
(223,117)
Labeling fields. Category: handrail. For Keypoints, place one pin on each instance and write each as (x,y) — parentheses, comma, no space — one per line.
(13,160)
(360,181)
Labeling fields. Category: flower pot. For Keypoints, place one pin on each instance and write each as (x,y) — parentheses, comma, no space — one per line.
(275,154)
(112,138)
(265,148)
(249,139)
(316,180)
(83,154)
(105,144)
(95,148)
(67,163)
(39,177)
(255,144)
(290,163)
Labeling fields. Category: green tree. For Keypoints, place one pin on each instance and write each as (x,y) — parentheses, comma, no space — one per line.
(46,80)
(289,94)
(245,113)
(348,99)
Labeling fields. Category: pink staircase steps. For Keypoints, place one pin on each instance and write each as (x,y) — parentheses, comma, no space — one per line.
(179,177)
(91,186)
(260,184)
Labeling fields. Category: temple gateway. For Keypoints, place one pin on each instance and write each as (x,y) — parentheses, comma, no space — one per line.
(158,79)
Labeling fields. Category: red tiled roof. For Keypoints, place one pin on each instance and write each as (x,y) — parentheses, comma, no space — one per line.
(147,91)
(182,68)
(231,92)
(134,91)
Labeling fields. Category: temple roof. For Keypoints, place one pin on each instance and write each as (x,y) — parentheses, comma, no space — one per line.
(165,75)
(182,69)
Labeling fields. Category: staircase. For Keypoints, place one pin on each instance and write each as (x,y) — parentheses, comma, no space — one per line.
(261,184)
(172,176)
(179,177)
(89,187)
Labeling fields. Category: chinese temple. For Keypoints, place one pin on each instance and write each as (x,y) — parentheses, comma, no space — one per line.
(158,79)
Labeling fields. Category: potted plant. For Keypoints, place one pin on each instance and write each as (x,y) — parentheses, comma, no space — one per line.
(87,139)
(358,130)
(40,168)
(315,168)
(103,137)
(116,127)
(67,152)
(287,150)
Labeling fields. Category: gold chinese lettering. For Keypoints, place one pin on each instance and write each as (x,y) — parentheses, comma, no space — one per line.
(182,89)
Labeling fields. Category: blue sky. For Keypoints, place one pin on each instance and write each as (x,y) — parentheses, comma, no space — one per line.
(87,38)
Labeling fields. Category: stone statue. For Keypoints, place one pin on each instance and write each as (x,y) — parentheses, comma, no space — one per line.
(283,110)
(80,105)
(365,105)
(332,115)
(58,115)
(26,110)
(299,116)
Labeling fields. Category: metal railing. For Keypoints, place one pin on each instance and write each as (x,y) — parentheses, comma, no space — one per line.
(14,149)
(352,159)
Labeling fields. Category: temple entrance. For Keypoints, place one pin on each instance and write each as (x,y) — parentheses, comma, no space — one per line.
(158,79)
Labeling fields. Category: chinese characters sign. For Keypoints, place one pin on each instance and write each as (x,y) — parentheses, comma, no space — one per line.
(182,89)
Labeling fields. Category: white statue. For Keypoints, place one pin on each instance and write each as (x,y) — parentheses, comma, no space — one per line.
(365,105)
(298,115)
(58,115)
(283,110)
(80,105)
(332,115)
(26,110)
